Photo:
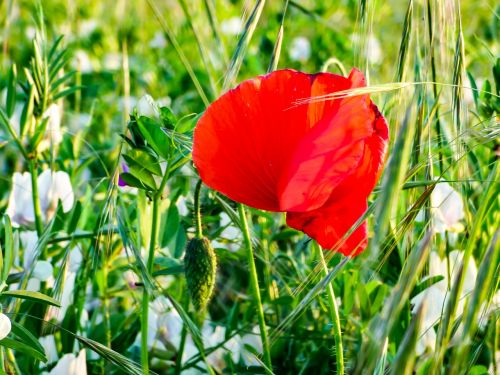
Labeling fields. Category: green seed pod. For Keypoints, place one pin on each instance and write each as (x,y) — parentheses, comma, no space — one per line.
(200,267)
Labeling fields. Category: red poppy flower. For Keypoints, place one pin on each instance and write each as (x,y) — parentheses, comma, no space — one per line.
(316,161)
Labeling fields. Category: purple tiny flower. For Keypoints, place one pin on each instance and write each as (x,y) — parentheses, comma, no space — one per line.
(120,180)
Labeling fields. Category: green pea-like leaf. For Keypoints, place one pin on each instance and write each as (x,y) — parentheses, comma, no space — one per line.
(154,135)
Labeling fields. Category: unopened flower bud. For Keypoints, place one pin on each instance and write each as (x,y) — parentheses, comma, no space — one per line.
(200,265)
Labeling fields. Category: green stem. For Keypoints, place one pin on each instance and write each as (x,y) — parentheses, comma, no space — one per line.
(334,316)
(182,344)
(254,281)
(105,301)
(197,210)
(145,296)
(36,201)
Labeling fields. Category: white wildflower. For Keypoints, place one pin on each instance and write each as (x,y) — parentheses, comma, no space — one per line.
(447,208)
(82,62)
(300,49)
(112,61)
(53,134)
(232,26)
(436,296)
(146,106)
(52,188)
(158,41)
(374,52)
(5,326)
(49,346)
(71,364)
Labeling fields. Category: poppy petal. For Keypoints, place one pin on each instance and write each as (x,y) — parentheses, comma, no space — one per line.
(330,223)
(246,138)
(348,201)
(331,151)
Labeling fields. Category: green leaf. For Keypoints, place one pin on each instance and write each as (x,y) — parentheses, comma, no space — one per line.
(167,117)
(122,362)
(142,175)
(39,133)
(133,181)
(68,91)
(157,139)
(21,347)
(32,296)
(143,159)
(426,284)
(10,102)
(170,226)
(27,113)
(75,217)
(8,257)
(27,337)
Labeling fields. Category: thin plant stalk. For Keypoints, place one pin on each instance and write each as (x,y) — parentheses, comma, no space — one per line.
(254,281)
(334,316)
(182,344)
(197,210)
(36,200)
(145,296)
(155,224)
(145,299)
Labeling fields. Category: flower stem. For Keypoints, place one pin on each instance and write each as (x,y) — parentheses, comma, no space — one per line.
(145,296)
(334,316)
(254,281)
(182,344)
(197,209)
(34,193)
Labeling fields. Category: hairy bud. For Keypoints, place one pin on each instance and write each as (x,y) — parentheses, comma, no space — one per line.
(200,265)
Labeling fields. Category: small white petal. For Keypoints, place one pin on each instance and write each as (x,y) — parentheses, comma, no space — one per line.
(70,364)
(232,26)
(5,326)
(53,135)
(87,27)
(75,259)
(82,62)
(28,241)
(63,190)
(158,41)
(147,107)
(300,49)
(33,285)
(182,206)
(49,345)
(20,207)
(54,187)
(112,61)
(448,207)
(373,50)
(43,270)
